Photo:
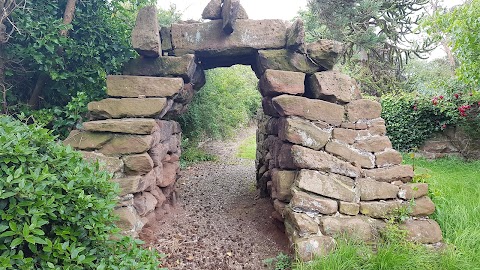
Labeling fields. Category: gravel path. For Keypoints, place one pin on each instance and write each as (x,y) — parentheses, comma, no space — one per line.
(219,221)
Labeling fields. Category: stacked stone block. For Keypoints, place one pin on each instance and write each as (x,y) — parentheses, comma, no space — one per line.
(322,151)
(325,160)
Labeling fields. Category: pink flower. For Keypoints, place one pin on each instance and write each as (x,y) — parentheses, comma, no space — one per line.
(441,97)
(456,96)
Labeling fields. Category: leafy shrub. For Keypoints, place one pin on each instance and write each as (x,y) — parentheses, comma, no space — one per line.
(56,209)
(229,99)
(411,119)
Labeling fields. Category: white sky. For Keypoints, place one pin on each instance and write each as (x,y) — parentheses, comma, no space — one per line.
(264,9)
(256,9)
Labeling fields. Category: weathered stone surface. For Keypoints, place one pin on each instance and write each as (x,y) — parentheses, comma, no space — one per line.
(141,163)
(230,9)
(423,231)
(299,131)
(127,144)
(284,157)
(311,109)
(314,246)
(349,208)
(360,227)
(305,202)
(135,184)
(373,144)
(127,107)
(158,153)
(142,86)
(345,135)
(318,160)
(333,86)
(146,33)
(350,154)
(363,109)
(159,196)
(373,190)
(388,157)
(87,140)
(303,224)
(110,164)
(166,38)
(276,82)
(144,203)
(208,39)
(423,207)
(381,209)
(402,173)
(128,221)
(138,126)
(324,52)
(167,175)
(165,66)
(413,191)
(327,184)
(284,60)
(377,127)
(282,183)
(213,11)
(280,207)
(268,108)
(296,36)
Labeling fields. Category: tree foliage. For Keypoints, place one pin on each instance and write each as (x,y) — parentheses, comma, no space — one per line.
(462,25)
(377,35)
(229,99)
(56,209)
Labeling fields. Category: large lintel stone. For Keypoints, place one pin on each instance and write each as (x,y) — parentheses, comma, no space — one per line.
(208,39)
(138,86)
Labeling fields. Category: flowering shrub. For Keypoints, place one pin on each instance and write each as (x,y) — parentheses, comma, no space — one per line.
(411,118)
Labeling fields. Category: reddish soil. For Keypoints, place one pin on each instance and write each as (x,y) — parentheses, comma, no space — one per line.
(219,221)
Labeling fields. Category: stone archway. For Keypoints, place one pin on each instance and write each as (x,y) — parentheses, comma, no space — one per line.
(323,155)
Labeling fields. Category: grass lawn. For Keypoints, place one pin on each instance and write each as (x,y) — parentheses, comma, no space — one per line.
(248,148)
(455,188)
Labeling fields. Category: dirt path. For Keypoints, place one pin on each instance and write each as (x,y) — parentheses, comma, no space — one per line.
(219,222)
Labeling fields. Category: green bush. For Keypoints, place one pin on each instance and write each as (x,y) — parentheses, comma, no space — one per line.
(411,118)
(56,209)
(228,100)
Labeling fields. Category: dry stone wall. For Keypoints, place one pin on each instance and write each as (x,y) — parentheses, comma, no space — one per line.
(322,153)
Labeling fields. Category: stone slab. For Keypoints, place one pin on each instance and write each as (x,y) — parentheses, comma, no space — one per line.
(311,109)
(300,131)
(86,140)
(373,190)
(127,107)
(333,86)
(284,60)
(142,86)
(402,173)
(327,184)
(319,160)
(127,144)
(423,231)
(306,202)
(360,227)
(380,209)
(146,33)
(350,154)
(140,126)
(363,109)
(324,52)
(208,39)
(277,82)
